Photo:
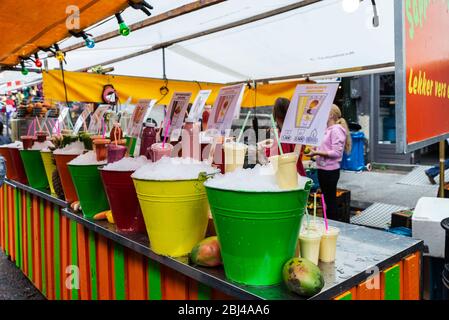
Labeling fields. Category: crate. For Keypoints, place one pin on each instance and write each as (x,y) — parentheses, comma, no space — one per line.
(343,205)
(402,219)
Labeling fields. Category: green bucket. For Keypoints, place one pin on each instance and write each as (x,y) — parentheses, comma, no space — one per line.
(34,169)
(89,189)
(131,145)
(257,231)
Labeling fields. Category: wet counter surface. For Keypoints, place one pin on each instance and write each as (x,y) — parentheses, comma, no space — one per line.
(361,252)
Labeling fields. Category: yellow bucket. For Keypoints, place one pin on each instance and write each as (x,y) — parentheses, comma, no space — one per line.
(49,168)
(175,214)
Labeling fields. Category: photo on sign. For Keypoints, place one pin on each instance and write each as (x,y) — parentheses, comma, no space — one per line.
(306,115)
(223,106)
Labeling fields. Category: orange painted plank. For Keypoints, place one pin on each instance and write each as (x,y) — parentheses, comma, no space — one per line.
(411,277)
(24,234)
(83,262)
(49,248)
(65,257)
(136,276)
(37,270)
(174,284)
(11,224)
(2,218)
(103,270)
(370,289)
(193,289)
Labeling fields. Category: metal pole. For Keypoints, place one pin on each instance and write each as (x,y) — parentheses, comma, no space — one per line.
(442,169)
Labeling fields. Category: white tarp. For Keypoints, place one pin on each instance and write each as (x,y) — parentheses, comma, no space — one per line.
(317,38)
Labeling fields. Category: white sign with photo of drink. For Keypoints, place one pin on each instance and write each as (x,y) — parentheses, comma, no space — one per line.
(198,105)
(176,113)
(137,118)
(224,109)
(307,115)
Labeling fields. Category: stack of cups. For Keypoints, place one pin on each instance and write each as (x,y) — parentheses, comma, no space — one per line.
(316,243)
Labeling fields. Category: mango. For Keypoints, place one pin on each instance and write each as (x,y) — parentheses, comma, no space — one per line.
(207,253)
(302,277)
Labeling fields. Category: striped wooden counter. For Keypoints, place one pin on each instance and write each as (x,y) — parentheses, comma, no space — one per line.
(69,257)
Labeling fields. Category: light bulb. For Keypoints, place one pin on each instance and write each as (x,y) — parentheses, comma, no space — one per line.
(90,43)
(350,6)
(38,63)
(124,30)
(24,71)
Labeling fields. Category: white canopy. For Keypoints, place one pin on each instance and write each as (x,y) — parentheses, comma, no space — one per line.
(316,38)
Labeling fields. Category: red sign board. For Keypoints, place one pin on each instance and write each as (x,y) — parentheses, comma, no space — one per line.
(426,85)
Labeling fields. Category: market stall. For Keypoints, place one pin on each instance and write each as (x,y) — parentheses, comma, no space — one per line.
(62,208)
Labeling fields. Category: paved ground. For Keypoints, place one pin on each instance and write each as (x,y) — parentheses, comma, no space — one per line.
(13,284)
(379,186)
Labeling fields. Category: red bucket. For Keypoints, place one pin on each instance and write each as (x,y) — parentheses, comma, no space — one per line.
(19,169)
(64,175)
(123,200)
(10,169)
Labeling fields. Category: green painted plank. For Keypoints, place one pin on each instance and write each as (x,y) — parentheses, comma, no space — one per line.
(29,237)
(392,290)
(93,265)
(347,296)
(57,251)
(17,231)
(5,207)
(119,272)
(74,250)
(42,222)
(154,280)
(204,292)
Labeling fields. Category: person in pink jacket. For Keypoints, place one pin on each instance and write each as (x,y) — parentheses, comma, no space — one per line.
(336,141)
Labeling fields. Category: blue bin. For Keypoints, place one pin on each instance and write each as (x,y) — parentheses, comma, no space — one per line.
(355,161)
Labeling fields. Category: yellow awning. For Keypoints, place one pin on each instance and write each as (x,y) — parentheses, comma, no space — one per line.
(28,25)
(88,87)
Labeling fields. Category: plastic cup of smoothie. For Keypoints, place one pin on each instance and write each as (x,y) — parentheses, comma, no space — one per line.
(328,246)
(285,168)
(234,153)
(159,152)
(309,245)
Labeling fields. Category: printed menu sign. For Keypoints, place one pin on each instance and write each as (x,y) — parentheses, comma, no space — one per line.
(137,118)
(176,113)
(224,108)
(307,115)
(198,105)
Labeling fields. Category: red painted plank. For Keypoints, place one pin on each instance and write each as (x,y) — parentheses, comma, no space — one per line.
(136,276)
(49,248)
(83,262)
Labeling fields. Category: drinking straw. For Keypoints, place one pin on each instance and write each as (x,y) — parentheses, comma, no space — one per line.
(308,220)
(38,124)
(166,133)
(314,208)
(324,212)
(29,127)
(243,127)
(276,134)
